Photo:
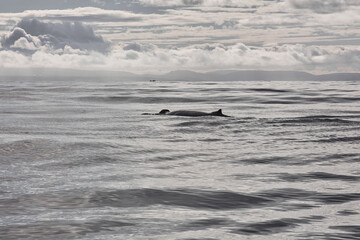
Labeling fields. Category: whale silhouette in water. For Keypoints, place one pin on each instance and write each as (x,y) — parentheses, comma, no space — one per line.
(188,113)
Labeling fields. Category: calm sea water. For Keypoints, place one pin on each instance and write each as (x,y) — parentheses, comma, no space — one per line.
(79,161)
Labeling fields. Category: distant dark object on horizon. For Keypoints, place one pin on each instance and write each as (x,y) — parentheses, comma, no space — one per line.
(187,113)
(152,80)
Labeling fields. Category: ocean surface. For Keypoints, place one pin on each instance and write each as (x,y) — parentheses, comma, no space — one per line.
(78,160)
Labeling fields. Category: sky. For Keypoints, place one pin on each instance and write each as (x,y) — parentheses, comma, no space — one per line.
(158,36)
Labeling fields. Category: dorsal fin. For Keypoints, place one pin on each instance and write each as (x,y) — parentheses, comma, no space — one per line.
(217,113)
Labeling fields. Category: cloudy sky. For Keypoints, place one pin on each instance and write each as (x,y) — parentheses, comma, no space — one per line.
(156,36)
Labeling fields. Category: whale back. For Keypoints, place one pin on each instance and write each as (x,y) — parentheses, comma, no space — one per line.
(188,113)
(191,113)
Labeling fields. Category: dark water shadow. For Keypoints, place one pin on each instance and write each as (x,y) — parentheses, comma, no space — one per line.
(347,232)
(317,120)
(306,177)
(270,90)
(284,194)
(59,229)
(255,228)
(301,161)
(347,213)
(187,198)
(353,139)
(274,226)
(273,160)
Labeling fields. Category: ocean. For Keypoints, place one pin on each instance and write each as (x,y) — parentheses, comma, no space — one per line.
(78,160)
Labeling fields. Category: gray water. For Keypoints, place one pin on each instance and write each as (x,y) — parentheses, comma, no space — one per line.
(79,161)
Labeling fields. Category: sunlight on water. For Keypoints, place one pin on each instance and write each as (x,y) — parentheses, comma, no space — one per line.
(79,160)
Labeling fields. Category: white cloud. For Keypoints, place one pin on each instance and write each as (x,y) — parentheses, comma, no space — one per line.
(324,6)
(265,21)
(18,38)
(23,43)
(209,35)
(350,17)
(238,56)
(11,59)
(207,3)
(31,34)
(85,14)
(148,58)
(175,26)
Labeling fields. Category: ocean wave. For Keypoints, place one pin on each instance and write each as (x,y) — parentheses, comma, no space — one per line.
(29,150)
(68,229)
(81,154)
(303,195)
(189,198)
(305,100)
(329,99)
(315,120)
(197,199)
(354,139)
(226,97)
(347,212)
(272,90)
(300,177)
(348,232)
(131,99)
(272,160)
(274,226)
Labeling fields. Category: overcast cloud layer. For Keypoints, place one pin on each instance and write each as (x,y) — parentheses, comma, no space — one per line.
(202,35)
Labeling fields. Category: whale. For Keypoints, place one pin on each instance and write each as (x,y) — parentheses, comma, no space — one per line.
(187,113)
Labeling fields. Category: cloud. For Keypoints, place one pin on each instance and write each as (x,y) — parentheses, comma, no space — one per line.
(186,39)
(207,57)
(349,18)
(324,6)
(86,14)
(18,38)
(11,59)
(269,21)
(139,47)
(181,26)
(23,43)
(32,34)
(171,2)
(207,3)
(148,58)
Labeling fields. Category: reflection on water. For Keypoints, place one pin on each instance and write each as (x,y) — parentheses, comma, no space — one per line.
(78,160)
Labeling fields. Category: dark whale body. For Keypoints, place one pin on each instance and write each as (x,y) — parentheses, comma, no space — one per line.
(187,113)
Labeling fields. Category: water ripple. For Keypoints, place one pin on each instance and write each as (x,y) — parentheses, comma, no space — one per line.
(273,226)
(58,229)
(191,198)
(300,177)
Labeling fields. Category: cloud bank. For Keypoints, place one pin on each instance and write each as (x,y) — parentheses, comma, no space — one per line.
(206,3)
(324,6)
(316,36)
(33,43)
(33,35)
(239,56)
